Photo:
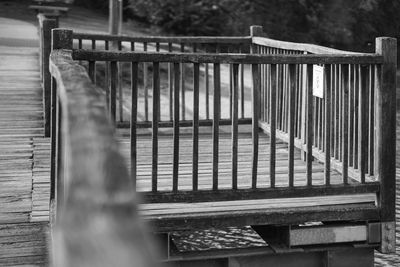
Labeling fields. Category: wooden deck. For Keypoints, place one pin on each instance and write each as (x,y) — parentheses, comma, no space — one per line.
(203,211)
(22,232)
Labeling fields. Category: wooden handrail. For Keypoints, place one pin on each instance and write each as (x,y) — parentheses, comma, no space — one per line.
(304,47)
(90,55)
(165,39)
(97,222)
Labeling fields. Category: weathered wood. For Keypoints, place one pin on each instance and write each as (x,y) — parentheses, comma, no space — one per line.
(309,122)
(345,122)
(154,129)
(386,126)
(254,129)
(272,118)
(226,58)
(177,77)
(183,86)
(363,123)
(235,131)
(216,119)
(95,167)
(310,48)
(166,39)
(291,111)
(327,94)
(134,100)
(45,27)
(196,91)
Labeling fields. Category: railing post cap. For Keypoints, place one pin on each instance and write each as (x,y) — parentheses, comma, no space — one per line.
(256,30)
(386,46)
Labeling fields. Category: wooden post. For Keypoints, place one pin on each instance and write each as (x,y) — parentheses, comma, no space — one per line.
(386,136)
(115,17)
(46,26)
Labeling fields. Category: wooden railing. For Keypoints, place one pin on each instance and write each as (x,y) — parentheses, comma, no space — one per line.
(289,70)
(164,44)
(351,127)
(93,203)
(277,82)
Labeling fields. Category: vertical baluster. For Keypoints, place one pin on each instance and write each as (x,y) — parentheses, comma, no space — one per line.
(333,110)
(316,117)
(291,117)
(107,77)
(262,86)
(285,98)
(356,109)
(328,111)
(235,117)
(113,90)
(183,89)
(120,92)
(80,43)
(242,88)
(134,92)
(351,115)
(337,114)
(371,127)
(363,124)
(217,112)
(156,106)
(176,128)
(207,82)
(256,113)
(93,44)
(170,85)
(196,84)
(279,95)
(310,122)
(132,46)
(272,119)
(230,87)
(340,88)
(145,86)
(345,123)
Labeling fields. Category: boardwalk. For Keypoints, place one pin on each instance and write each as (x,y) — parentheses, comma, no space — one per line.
(23,224)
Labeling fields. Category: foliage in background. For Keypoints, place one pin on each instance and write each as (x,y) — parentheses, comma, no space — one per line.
(335,23)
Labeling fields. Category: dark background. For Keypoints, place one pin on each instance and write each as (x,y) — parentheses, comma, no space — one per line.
(343,24)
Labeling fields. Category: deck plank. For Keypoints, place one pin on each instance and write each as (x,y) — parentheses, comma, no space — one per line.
(21,119)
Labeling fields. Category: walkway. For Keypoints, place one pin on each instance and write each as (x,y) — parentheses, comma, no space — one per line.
(23,226)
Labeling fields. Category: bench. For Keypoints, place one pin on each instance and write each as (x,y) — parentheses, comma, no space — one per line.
(56,10)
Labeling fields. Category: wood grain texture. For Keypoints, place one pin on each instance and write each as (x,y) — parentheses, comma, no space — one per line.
(221,58)
(21,121)
(95,166)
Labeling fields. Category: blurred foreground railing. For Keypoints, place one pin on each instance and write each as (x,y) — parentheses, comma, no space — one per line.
(95,220)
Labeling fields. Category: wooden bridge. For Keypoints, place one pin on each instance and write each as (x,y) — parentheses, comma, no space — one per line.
(197,139)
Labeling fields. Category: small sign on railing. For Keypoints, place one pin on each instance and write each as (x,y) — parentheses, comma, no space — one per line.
(318,81)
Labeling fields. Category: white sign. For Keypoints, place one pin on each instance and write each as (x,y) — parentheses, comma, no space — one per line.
(318,81)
